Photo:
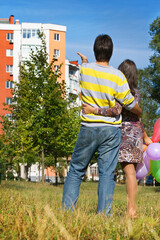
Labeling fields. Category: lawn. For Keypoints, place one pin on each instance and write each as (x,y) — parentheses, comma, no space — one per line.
(33,211)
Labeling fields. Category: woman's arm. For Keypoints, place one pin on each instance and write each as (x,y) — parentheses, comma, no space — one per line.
(107,112)
(136,110)
(147,140)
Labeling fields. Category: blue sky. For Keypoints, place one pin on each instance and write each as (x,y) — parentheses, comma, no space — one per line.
(126,21)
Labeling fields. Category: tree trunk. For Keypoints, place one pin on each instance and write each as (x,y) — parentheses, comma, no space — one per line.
(55,158)
(42,164)
(154,182)
(67,164)
(1,172)
(144,181)
(24,168)
(39,176)
(25,173)
(18,172)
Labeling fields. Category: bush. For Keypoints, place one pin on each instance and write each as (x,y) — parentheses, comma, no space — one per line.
(10,176)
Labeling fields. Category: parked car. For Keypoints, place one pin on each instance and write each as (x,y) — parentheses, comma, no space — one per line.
(49,180)
(149,181)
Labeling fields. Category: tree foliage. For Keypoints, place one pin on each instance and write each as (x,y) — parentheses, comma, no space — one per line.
(154,68)
(148,104)
(149,81)
(42,123)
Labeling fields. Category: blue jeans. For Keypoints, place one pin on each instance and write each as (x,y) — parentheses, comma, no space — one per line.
(106,141)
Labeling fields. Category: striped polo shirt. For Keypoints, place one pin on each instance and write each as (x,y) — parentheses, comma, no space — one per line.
(100,87)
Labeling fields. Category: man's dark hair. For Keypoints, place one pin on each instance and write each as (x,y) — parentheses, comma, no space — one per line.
(103,48)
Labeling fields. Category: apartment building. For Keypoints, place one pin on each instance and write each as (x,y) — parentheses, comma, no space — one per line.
(16,41)
(72,71)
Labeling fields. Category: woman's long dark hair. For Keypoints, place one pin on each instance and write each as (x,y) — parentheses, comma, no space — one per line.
(129,69)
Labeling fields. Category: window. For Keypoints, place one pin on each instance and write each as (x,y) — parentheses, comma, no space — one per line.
(26,50)
(24,33)
(56,67)
(9,52)
(33,33)
(56,53)
(57,37)
(9,84)
(9,116)
(9,68)
(9,36)
(9,100)
(30,33)
(94,170)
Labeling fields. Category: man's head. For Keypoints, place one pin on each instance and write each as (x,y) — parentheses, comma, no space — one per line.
(103,48)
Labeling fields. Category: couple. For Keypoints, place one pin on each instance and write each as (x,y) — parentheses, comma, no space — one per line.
(104,90)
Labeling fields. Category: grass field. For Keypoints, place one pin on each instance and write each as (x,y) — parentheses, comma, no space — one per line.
(31,211)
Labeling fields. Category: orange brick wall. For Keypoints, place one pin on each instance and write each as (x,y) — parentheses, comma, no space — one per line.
(50,172)
(4,76)
(4,60)
(53,44)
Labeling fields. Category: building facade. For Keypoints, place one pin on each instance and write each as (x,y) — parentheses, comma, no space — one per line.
(72,71)
(17,40)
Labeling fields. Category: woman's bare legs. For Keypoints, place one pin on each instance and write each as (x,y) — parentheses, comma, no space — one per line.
(131,185)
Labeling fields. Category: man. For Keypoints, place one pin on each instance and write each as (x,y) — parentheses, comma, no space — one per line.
(100,85)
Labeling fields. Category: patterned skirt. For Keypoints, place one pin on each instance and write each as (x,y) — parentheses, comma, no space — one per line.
(131,147)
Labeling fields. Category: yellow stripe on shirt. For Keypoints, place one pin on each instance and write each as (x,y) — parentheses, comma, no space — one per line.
(129,101)
(103,75)
(97,88)
(97,101)
(85,119)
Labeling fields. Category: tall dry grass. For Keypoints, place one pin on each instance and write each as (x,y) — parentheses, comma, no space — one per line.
(33,211)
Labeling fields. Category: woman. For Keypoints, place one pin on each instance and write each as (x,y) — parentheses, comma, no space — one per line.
(133,133)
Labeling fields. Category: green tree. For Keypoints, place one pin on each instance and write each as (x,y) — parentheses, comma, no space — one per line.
(148,104)
(9,144)
(64,135)
(154,68)
(40,101)
(149,81)
(71,127)
(3,160)
(41,119)
(17,144)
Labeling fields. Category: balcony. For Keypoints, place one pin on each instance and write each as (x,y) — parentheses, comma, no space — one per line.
(74,87)
(73,77)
